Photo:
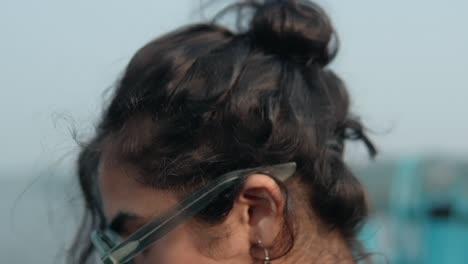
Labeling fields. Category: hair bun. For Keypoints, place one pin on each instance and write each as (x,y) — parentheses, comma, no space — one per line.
(294,28)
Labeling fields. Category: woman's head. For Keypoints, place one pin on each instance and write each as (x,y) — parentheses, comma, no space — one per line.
(202,101)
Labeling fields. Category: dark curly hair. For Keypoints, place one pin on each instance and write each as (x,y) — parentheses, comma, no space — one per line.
(204,100)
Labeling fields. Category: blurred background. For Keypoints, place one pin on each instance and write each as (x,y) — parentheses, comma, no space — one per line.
(405,63)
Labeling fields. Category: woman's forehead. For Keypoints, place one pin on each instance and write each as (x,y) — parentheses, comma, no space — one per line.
(121,191)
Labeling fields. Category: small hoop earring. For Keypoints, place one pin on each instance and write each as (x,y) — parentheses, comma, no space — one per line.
(266,259)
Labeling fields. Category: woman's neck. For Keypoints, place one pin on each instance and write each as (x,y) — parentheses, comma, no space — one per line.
(314,242)
(319,247)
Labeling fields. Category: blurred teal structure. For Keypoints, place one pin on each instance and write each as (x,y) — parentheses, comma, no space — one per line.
(420,211)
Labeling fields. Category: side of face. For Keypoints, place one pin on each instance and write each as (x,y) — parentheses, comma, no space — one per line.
(257,215)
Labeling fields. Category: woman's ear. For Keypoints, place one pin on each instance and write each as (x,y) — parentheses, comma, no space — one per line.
(264,205)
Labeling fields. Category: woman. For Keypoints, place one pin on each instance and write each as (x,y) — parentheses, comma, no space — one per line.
(226,147)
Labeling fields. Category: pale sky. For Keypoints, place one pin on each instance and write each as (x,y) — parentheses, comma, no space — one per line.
(405,63)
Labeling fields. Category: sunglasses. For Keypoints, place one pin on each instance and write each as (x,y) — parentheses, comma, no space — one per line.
(113,250)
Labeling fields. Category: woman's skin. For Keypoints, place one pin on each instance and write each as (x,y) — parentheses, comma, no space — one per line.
(257,215)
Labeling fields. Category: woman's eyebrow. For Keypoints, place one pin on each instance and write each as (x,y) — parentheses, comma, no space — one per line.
(122,219)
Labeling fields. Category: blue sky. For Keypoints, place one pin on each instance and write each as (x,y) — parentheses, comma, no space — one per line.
(405,63)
